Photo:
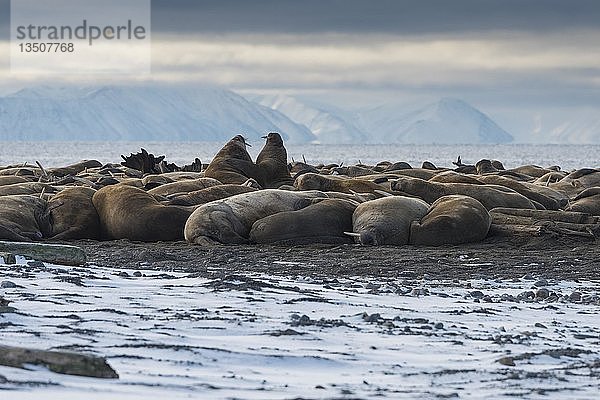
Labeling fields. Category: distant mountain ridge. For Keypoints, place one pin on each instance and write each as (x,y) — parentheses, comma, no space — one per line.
(139,112)
(447,121)
(175,113)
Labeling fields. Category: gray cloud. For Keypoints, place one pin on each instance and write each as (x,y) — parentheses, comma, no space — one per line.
(404,17)
(376,16)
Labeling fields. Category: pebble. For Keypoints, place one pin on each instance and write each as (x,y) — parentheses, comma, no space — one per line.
(542,293)
(439,325)
(477,294)
(36,264)
(540,325)
(508,361)
(8,285)
(575,296)
(540,283)
(527,295)
(123,274)
(371,318)
(137,274)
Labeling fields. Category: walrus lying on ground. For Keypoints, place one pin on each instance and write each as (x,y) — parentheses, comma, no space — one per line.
(207,195)
(452,220)
(490,196)
(229,221)
(184,186)
(21,218)
(127,212)
(311,181)
(323,222)
(72,215)
(386,221)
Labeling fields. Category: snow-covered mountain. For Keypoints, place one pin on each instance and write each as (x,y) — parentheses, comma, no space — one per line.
(448,121)
(328,124)
(582,128)
(150,112)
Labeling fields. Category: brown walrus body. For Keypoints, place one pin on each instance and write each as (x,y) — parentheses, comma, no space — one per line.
(491,196)
(21,218)
(386,221)
(127,212)
(72,215)
(184,186)
(311,181)
(229,221)
(272,163)
(207,195)
(452,220)
(323,222)
(26,188)
(233,164)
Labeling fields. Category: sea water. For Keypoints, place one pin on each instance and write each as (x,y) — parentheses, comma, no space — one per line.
(53,154)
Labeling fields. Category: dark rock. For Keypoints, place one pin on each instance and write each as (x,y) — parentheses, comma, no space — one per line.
(57,361)
(540,283)
(508,361)
(8,285)
(542,293)
(575,296)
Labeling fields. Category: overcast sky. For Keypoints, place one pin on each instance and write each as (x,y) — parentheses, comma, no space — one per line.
(518,58)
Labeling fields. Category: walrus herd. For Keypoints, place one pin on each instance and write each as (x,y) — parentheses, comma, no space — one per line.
(235,200)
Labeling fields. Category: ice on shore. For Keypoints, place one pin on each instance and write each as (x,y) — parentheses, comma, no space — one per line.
(261,337)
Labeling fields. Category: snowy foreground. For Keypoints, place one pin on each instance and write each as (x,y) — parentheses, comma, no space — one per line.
(263,337)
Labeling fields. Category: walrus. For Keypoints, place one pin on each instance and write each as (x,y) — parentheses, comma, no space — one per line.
(127,212)
(550,177)
(12,179)
(74,169)
(485,166)
(153,181)
(228,221)
(209,194)
(26,188)
(323,222)
(588,201)
(184,186)
(386,221)
(21,171)
(490,196)
(353,171)
(272,163)
(233,164)
(529,190)
(311,181)
(72,215)
(577,181)
(454,177)
(21,218)
(454,219)
(533,171)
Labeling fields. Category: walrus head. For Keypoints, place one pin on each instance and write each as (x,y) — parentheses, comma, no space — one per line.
(241,139)
(274,139)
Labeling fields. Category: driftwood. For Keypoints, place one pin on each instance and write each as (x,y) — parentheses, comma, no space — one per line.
(540,230)
(60,362)
(545,215)
(52,253)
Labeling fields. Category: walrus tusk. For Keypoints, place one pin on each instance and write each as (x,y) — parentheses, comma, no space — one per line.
(44,172)
(43,192)
(384,194)
(358,196)
(352,234)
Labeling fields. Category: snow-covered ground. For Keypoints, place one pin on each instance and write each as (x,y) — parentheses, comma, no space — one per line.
(269,337)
